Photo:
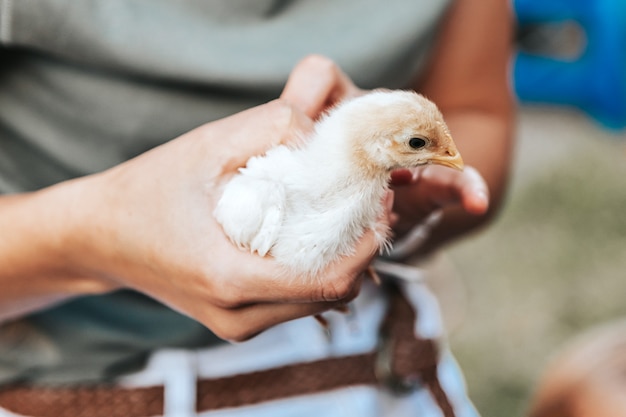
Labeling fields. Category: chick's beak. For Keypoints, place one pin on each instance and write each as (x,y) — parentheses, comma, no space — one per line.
(450,157)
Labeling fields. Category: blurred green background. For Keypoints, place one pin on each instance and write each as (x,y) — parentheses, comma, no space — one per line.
(552,265)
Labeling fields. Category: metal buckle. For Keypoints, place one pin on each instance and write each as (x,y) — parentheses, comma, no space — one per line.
(383,369)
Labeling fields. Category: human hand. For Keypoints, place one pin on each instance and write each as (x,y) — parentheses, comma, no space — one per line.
(425,189)
(148,225)
(316,84)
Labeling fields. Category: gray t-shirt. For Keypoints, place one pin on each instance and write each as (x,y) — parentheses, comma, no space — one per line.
(87,85)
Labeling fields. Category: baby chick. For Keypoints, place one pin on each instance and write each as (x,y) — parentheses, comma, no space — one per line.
(308,204)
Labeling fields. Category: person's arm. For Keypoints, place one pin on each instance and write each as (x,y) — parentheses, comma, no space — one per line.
(35,249)
(147,224)
(468,79)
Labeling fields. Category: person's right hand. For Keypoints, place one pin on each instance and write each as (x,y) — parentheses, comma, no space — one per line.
(147,224)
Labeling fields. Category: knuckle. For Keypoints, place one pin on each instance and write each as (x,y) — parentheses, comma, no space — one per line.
(281,111)
(287,121)
(228,297)
(222,331)
(282,114)
(209,288)
(338,288)
(233,333)
(243,336)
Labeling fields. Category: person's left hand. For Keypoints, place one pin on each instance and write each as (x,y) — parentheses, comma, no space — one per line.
(425,189)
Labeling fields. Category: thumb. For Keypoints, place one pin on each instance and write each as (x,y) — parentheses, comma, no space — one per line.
(254,131)
(317,83)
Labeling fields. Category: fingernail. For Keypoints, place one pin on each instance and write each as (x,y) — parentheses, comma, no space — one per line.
(481,202)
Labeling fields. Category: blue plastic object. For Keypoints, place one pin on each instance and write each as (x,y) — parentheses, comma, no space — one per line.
(594,82)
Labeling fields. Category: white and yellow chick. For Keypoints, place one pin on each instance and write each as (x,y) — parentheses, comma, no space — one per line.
(308,204)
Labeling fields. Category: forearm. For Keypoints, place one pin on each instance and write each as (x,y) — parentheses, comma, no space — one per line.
(468,79)
(39,247)
(147,224)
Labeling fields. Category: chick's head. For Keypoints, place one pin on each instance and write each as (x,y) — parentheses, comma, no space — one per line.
(399,129)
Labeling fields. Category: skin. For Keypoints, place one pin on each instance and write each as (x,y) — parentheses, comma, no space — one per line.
(586,378)
(157,235)
(146,224)
(477,106)
(468,80)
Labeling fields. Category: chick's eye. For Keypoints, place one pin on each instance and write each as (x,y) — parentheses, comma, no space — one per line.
(417,143)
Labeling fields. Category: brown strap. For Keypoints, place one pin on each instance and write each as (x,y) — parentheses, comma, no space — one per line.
(83,401)
(412,358)
(287,381)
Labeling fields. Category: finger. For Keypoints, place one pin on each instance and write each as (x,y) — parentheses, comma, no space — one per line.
(435,187)
(243,323)
(401,176)
(254,131)
(247,278)
(475,192)
(317,83)
(467,188)
(251,278)
(341,280)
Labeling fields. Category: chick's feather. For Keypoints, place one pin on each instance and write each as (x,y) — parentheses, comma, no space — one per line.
(309,204)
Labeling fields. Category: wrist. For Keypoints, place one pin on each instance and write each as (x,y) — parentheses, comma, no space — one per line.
(63,214)
(40,251)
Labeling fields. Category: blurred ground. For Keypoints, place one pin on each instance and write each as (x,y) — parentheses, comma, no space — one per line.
(552,265)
